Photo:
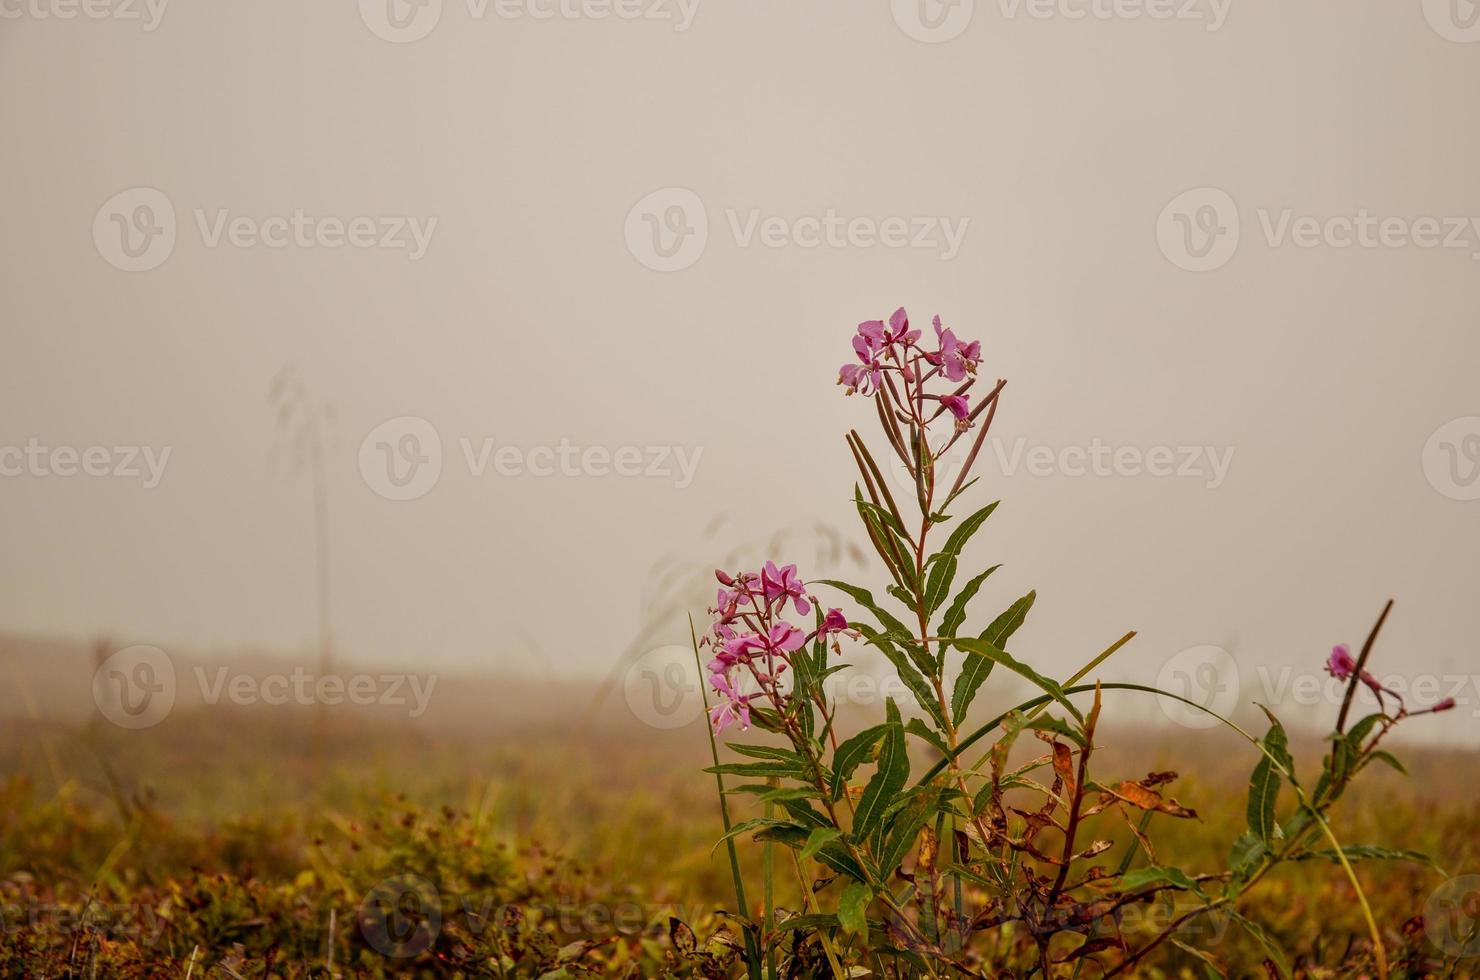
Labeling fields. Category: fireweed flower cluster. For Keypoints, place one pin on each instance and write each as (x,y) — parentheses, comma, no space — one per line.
(753,643)
(1342,666)
(890,351)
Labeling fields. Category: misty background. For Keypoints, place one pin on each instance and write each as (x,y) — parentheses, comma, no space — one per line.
(1326,371)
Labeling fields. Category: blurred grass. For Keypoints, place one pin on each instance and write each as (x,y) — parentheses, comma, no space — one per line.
(247,834)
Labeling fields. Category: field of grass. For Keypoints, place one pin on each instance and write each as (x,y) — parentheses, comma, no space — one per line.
(245,845)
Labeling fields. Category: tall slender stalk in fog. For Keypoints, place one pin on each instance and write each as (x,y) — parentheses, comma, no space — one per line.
(302,424)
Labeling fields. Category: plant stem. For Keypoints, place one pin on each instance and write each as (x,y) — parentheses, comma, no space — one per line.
(752,947)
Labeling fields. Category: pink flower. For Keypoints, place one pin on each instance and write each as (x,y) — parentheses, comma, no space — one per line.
(784,638)
(899,328)
(1340,664)
(864,376)
(880,338)
(833,622)
(725,602)
(783,582)
(739,648)
(958,408)
(726,713)
(955,359)
(1444,705)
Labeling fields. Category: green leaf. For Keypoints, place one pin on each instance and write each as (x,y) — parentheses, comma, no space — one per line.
(908,672)
(1142,877)
(1275,954)
(956,613)
(1007,624)
(757,824)
(1265,782)
(776,768)
(889,778)
(808,923)
(963,532)
(1389,759)
(790,835)
(853,909)
(1209,963)
(881,515)
(973,673)
(836,856)
(765,752)
(992,652)
(906,826)
(816,840)
(938,586)
(1048,723)
(920,730)
(802,812)
(1248,854)
(853,751)
(945,505)
(1359,852)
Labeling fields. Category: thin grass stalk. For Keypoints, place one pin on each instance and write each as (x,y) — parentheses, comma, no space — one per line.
(752,949)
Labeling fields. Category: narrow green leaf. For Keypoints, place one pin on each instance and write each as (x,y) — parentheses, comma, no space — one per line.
(853,909)
(938,586)
(908,672)
(765,752)
(1134,881)
(816,840)
(850,753)
(905,828)
(889,778)
(1275,954)
(1389,759)
(974,672)
(758,769)
(956,612)
(808,923)
(1007,624)
(1359,852)
(992,652)
(759,823)
(1248,854)
(920,730)
(1265,782)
